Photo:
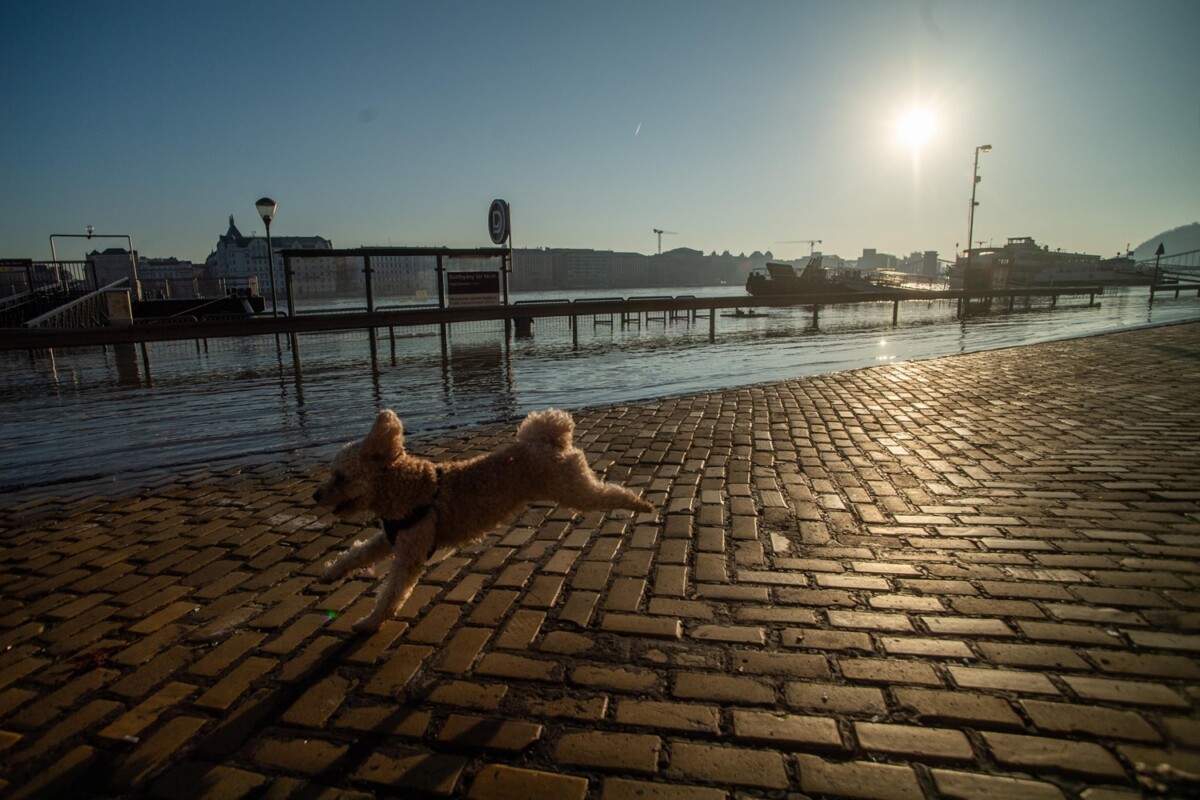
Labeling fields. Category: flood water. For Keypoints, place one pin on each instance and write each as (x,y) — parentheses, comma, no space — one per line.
(97,417)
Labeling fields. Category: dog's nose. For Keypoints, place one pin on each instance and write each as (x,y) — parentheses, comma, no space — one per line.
(317,496)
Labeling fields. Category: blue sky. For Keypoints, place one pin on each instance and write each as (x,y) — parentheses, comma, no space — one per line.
(736,124)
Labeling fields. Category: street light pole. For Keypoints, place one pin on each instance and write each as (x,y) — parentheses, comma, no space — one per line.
(266,209)
(983,148)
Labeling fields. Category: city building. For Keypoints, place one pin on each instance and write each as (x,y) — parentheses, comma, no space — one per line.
(238,257)
(168,277)
(112,265)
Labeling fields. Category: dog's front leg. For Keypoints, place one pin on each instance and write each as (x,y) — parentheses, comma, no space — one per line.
(412,549)
(361,554)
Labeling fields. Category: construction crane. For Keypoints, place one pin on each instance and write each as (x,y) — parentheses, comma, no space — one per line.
(812,244)
(660,233)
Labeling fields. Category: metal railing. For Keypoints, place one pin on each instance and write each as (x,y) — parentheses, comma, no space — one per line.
(88,311)
(16,311)
(519,314)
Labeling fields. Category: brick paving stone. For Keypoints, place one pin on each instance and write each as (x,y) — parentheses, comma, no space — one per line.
(146,713)
(931,648)
(1058,755)
(625,789)
(722,688)
(398,670)
(489,733)
(389,719)
(463,649)
(1125,692)
(888,671)
(434,773)
(1002,680)
(790,731)
(571,706)
(794,665)
(668,715)
(192,780)
(152,752)
(958,708)
(818,639)
(633,680)
(502,665)
(660,628)
(922,743)
(954,785)
(857,779)
(1147,665)
(832,698)
(1037,656)
(738,766)
(1074,720)
(503,782)
(623,752)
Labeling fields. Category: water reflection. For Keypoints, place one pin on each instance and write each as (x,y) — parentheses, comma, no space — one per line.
(125,358)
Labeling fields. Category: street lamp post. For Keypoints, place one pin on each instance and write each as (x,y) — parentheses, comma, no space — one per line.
(983,148)
(266,209)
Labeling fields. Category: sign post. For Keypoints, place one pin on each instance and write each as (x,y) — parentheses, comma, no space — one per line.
(500,229)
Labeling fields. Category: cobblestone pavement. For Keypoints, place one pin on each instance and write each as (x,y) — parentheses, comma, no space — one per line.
(973,577)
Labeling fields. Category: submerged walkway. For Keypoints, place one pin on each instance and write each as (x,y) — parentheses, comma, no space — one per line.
(972,577)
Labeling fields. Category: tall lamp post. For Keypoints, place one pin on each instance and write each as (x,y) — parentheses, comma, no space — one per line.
(266,209)
(983,148)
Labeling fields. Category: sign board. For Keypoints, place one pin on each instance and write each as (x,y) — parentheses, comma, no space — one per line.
(498,222)
(16,275)
(473,288)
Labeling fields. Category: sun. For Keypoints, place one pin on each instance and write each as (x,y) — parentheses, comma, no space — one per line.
(916,127)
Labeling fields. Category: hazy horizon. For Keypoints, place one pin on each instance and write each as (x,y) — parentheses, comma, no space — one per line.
(740,127)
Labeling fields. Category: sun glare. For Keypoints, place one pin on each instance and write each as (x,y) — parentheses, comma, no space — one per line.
(916,127)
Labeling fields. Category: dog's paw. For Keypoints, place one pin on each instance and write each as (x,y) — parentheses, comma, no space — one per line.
(328,575)
(365,625)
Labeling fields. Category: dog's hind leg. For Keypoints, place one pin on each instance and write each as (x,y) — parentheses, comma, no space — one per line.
(359,555)
(413,547)
(603,496)
(578,487)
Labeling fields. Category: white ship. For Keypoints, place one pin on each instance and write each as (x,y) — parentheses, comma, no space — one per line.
(1023,262)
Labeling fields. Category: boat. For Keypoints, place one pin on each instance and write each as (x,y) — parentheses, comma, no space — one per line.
(781,279)
(1023,263)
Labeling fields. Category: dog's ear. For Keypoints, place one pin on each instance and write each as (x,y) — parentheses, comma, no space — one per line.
(386,439)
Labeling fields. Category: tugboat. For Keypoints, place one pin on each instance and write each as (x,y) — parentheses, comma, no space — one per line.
(781,279)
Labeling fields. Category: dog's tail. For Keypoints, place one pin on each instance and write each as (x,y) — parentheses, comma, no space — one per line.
(553,427)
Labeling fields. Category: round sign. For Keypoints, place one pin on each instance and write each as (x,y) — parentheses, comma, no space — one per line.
(498,221)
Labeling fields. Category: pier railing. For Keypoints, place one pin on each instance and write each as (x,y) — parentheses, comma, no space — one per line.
(88,312)
(521,315)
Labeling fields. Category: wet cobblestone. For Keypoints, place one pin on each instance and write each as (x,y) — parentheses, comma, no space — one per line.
(977,576)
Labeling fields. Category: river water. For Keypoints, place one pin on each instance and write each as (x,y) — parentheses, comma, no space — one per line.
(92,418)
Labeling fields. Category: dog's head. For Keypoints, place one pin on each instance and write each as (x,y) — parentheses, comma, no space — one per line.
(357,468)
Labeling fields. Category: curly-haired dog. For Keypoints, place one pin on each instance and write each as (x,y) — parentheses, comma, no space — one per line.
(428,507)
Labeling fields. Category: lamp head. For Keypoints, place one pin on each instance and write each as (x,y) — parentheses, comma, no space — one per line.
(983,148)
(266,209)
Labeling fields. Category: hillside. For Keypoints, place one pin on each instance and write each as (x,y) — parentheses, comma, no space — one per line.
(1177,240)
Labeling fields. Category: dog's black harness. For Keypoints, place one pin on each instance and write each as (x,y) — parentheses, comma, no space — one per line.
(393,527)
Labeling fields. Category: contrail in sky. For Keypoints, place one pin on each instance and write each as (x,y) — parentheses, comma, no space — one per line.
(638,129)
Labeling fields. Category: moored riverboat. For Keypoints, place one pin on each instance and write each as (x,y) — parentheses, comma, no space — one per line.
(1023,263)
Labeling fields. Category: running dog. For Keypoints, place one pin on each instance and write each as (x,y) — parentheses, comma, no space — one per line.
(427,507)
